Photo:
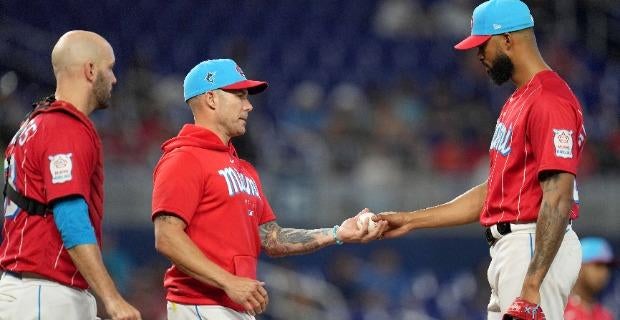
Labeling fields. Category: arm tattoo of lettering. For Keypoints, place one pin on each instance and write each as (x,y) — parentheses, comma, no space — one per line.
(551,226)
(278,241)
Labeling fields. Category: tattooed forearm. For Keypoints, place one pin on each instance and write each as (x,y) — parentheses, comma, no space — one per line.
(550,230)
(279,241)
(551,224)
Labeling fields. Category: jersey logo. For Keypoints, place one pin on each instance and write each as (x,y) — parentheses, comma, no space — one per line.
(61,167)
(501,139)
(238,182)
(563,142)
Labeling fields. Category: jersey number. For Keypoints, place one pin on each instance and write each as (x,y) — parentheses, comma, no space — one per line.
(25,132)
(10,208)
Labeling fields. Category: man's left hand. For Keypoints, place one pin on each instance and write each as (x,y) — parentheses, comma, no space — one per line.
(522,309)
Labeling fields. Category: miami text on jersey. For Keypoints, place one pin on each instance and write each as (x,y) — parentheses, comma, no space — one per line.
(238,182)
(501,139)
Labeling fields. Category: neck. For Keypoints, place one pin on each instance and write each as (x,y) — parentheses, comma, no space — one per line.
(213,128)
(73,94)
(527,65)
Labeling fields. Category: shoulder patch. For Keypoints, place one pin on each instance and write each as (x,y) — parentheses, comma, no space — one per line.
(563,142)
(61,167)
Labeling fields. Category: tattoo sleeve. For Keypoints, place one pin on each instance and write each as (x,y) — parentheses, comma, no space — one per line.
(551,224)
(279,242)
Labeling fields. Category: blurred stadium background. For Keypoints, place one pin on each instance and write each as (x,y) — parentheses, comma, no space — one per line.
(368,106)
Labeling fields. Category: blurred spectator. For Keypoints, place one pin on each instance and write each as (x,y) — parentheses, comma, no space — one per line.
(384,274)
(400,19)
(343,271)
(305,110)
(597,260)
(451,18)
(348,123)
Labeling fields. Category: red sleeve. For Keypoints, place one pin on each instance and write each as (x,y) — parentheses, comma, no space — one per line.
(554,132)
(177,185)
(67,158)
(267,213)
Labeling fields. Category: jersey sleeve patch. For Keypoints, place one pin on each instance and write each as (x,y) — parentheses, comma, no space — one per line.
(61,167)
(563,142)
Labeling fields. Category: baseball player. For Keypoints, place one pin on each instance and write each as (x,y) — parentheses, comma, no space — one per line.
(530,197)
(598,259)
(210,214)
(53,203)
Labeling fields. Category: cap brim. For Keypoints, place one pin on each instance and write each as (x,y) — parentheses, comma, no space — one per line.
(614,263)
(471,42)
(253,86)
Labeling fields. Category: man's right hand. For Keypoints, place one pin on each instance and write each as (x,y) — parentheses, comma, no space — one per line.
(87,259)
(249,293)
(119,309)
(397,223)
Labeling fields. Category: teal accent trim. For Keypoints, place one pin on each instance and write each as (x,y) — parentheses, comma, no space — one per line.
(335,234)
(39,305)
(198,312)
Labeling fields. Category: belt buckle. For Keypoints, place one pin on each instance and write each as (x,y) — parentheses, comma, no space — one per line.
(504,228)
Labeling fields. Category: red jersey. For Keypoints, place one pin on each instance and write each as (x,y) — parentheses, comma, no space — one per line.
(220,198)
(57,153)
(575,310)
(540,128)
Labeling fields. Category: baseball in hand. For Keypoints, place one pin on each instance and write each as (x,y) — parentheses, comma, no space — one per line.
(361,220)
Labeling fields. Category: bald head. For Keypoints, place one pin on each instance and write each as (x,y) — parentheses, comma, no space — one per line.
(83,64)
(76,48)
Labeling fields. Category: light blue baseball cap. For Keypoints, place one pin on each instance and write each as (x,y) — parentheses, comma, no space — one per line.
(496,17)
(596,250)
(218,74)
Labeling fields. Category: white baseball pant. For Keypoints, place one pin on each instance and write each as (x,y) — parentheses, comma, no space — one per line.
(35,299)
(510,259)
(178,311)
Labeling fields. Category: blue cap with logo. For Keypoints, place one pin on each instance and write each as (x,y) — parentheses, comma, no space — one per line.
(496,17)
(596,250)
(218,74)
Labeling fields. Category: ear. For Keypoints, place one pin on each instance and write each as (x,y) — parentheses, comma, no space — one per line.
(210,99)
(90,72)
(507,42)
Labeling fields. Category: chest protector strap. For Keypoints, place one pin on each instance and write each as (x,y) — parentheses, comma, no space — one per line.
(31,206)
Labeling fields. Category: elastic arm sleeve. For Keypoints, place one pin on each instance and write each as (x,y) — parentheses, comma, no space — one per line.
(73,223)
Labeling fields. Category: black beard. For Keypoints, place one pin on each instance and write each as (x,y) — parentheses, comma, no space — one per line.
(502,69)
(102,97)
